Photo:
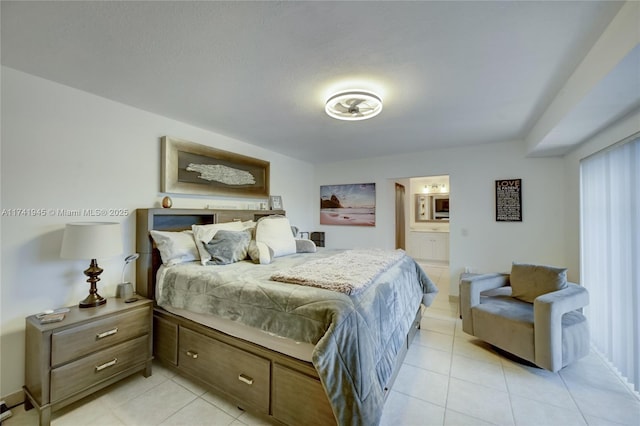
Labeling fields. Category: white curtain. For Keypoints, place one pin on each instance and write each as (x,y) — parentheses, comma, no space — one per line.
(610,222)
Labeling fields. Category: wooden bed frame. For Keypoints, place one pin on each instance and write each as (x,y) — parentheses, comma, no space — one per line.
(258,379)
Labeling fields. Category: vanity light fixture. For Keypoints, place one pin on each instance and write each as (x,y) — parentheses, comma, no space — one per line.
(353,105)
(435,187)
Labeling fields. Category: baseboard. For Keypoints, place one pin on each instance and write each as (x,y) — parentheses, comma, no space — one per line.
(14,399)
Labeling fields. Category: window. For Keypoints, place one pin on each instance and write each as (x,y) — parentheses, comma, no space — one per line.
(610,258)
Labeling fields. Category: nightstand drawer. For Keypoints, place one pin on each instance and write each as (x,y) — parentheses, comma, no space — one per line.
(241,374)
(87,371)
(73,343)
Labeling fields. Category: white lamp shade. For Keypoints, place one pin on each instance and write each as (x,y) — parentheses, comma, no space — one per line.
(91,240)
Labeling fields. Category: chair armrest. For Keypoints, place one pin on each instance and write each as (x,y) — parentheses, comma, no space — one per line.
(548,310)
(470,289)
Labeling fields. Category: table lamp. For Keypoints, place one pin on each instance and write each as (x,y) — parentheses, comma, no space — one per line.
(91,240)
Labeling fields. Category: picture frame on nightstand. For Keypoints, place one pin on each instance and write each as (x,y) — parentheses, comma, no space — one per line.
(275,202)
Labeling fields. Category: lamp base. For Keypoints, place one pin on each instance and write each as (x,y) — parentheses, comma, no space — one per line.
(92,301)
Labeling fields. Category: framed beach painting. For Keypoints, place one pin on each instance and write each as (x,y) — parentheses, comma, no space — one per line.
(350,204)
(191,168)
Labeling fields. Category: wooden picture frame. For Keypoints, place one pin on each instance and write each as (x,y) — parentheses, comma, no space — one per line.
(508,200)
(191,168)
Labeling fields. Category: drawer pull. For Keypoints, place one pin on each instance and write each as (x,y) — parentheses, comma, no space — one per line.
(193,355)
(245,379)
(106,365)
(106,334)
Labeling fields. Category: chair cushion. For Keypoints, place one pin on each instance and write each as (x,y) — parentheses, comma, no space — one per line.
(531,281)
(507,323)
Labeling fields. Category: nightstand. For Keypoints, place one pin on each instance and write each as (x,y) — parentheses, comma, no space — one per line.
(87,351)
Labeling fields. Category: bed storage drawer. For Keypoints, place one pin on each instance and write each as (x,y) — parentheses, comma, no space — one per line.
(165,340)
(241,374)
(292,392)
(73,343)
(92,369)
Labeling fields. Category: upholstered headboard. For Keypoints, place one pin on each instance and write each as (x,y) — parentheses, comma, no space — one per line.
(175,220)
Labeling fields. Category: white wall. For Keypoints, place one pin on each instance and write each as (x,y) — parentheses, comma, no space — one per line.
(67,149)
(611,135)
(476,240)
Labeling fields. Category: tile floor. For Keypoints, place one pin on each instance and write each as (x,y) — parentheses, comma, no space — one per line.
(448,378)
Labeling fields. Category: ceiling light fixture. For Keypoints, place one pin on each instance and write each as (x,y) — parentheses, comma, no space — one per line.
(353,105)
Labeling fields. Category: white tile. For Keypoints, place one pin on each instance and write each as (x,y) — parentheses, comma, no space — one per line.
(109,419)
(422,384)
(479,372)
(528,412)
(537,384)
(79,413)
(199,413)
(401,409)
(592,373)
(252,419)
(476,349)
(479,401)
(159,368)
(433,272)
(156,405)
(438,324)
(429,359)
(127,389)
(460,333)
(444,311)
(453,418)
(609,406)
(190,385)
(596,421)
(223,403)
(432,339)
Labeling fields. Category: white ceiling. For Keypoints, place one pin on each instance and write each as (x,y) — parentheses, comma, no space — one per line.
(450,73)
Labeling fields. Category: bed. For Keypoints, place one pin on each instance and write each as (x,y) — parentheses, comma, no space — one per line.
(297,354)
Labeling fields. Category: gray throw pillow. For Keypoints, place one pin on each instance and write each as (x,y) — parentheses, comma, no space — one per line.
(531,281)
(305,246)
(228,247)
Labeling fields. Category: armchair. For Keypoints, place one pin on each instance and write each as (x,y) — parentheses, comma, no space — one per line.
(546,328)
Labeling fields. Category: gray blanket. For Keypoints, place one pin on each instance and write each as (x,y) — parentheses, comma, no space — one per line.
(356,337)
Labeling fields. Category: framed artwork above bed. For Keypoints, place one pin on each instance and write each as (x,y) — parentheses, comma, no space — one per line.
(191,168)
(350,204)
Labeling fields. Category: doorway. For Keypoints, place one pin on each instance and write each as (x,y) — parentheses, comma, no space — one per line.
(425,211)
(400,216)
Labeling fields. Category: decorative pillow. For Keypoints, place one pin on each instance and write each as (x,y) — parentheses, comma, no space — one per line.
(228,247)
(275,232)
(175,247)
(305,246)
(531,281)
(204,233)
(260,253)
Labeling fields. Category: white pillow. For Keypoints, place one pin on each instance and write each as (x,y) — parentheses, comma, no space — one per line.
(204,233)
(275,232)
(260,253)
(175,247)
